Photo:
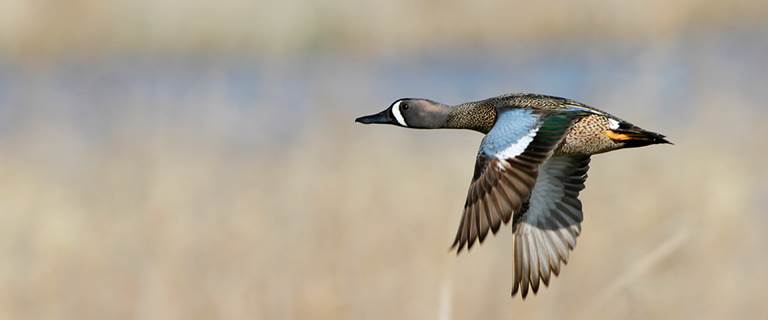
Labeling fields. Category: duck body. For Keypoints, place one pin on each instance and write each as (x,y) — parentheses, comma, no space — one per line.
(598,132)
(530,168)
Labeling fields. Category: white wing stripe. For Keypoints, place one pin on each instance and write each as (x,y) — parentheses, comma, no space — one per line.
(518,147)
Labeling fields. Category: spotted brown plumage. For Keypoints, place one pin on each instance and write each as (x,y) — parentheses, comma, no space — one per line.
(531,167)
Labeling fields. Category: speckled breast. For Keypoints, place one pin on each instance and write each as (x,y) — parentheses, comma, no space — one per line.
(587,137)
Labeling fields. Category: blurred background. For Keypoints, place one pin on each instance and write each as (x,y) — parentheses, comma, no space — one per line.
(180,159)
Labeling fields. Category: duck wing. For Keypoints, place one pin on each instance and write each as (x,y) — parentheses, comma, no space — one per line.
(506,169)
(546,232)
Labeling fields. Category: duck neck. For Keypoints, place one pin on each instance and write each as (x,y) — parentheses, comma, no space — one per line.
(477,117)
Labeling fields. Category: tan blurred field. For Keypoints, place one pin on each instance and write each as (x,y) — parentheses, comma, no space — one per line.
(51,29)
(156,164)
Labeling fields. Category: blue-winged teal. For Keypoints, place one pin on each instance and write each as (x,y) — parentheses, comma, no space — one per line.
(531,166)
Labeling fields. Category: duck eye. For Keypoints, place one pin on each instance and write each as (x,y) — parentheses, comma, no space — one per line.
(404,106)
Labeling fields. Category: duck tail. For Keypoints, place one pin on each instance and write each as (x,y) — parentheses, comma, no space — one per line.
(632,136)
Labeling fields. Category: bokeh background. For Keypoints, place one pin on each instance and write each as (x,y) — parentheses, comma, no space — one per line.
(180,159)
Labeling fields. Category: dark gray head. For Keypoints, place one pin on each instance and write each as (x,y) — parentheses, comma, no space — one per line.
(411,113)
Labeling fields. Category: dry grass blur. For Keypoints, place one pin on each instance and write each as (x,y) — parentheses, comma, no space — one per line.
(240,27)
(149,171)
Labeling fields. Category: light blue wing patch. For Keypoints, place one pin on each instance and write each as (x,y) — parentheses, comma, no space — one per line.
(506,169)
(511,126)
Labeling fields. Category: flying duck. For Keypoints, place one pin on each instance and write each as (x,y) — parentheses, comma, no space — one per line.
(530,168)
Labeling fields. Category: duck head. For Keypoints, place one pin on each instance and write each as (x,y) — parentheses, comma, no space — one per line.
(411,113)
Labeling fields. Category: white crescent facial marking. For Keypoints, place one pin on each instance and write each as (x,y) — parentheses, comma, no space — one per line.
(613,124)
(518,147)
(398,115)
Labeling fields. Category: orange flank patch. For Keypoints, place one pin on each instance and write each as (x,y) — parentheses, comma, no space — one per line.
(616,136)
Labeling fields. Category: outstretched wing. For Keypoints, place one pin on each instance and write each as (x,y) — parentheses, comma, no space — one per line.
(506,169)
(547,231)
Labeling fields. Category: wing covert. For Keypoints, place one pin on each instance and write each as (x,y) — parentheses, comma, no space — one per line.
(506,169)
